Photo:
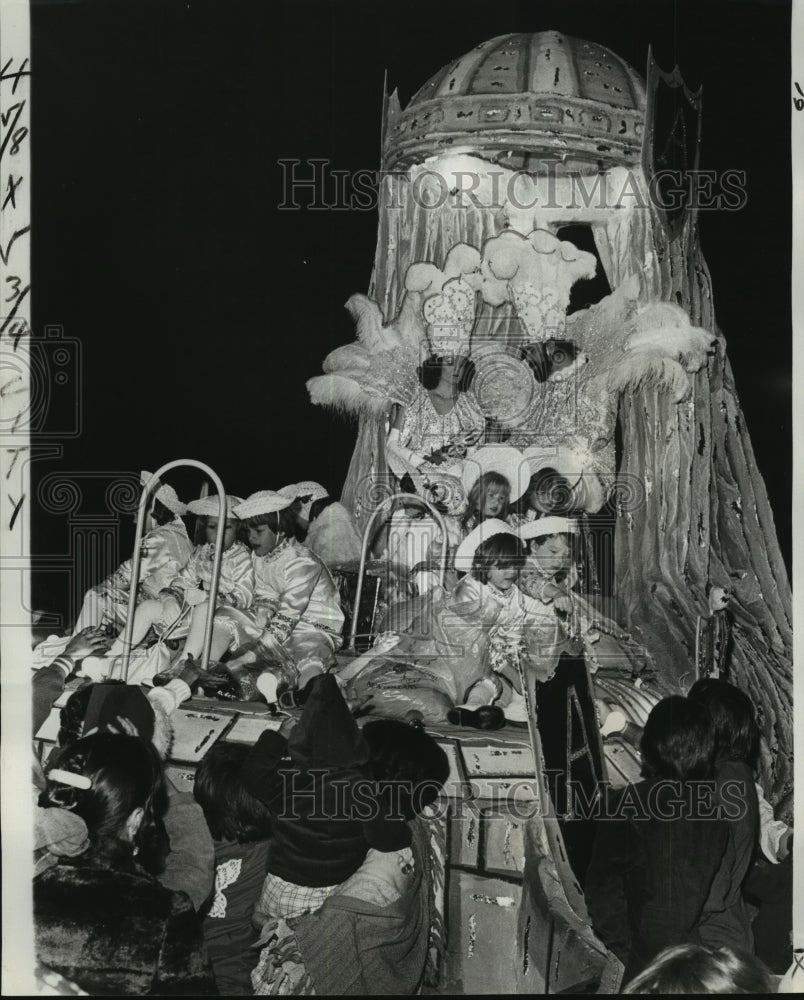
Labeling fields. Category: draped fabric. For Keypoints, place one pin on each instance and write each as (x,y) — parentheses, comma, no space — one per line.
(166,549)
(694,509)
(692,506)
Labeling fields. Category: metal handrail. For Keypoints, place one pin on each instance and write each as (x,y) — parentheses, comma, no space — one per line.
(410,499)
(135,566)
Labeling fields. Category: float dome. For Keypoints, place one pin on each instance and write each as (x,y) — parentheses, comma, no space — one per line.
(522,100)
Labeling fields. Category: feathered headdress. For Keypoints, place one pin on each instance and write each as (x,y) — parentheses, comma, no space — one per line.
(661,348)
(379,369)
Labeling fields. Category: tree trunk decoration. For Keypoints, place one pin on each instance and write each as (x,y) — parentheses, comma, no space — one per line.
(693,510)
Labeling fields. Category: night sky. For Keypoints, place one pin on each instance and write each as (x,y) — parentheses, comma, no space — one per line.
(201,309)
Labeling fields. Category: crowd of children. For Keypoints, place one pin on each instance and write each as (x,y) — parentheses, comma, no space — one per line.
(237,889)
(138,891)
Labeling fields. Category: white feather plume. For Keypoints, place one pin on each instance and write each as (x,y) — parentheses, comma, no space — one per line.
(638,368)
(336,392)
(348,356)
(664,330)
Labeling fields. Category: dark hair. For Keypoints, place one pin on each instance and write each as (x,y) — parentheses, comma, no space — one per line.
(502,550)
(477,496)
(678,741)
(556,487)
(735,727)
(241,531)
(73,713)
(161,514)
(317,506)
(698,969)
(126,774)
(279,521)
(404,760)
(231,812)
(573,544)
(429,371)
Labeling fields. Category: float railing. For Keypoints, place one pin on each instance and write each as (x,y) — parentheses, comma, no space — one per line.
(149,488)
(410,499)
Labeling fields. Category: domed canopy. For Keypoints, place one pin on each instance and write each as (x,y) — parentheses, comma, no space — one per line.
(521,100)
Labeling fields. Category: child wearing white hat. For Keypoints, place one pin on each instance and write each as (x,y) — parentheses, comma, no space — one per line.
(294,627)
(550,577)
(550,571)
(166,548)
(304,496)
(494,477)
(456,671)
(551,488)
(180,610)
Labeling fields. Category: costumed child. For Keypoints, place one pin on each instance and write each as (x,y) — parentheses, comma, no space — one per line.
(452,655)
(308,492)
(302,496)
(181,608)
(550,570)
(294,628)
(551,577)
(166,547)
(291,492)
(489,497)
(493,478)
(548,493)
(241,828)
(521,617)
(327,810)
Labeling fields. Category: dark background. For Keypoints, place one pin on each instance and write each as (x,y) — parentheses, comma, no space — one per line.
(201,309)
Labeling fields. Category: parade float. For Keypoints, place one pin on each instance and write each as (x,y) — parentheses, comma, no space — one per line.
(517,176)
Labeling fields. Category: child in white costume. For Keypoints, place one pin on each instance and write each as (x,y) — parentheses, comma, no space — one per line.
(181,607)
(550,573)
(166,548)
(463,656)
(294,626)
(550,576)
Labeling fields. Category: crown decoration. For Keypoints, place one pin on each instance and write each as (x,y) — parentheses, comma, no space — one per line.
(521,99)
(450,316)
(447,297)
(535,273)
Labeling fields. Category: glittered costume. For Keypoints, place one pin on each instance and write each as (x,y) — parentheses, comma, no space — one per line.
(458,641)
(235,586)
(166,549)
(296,619)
